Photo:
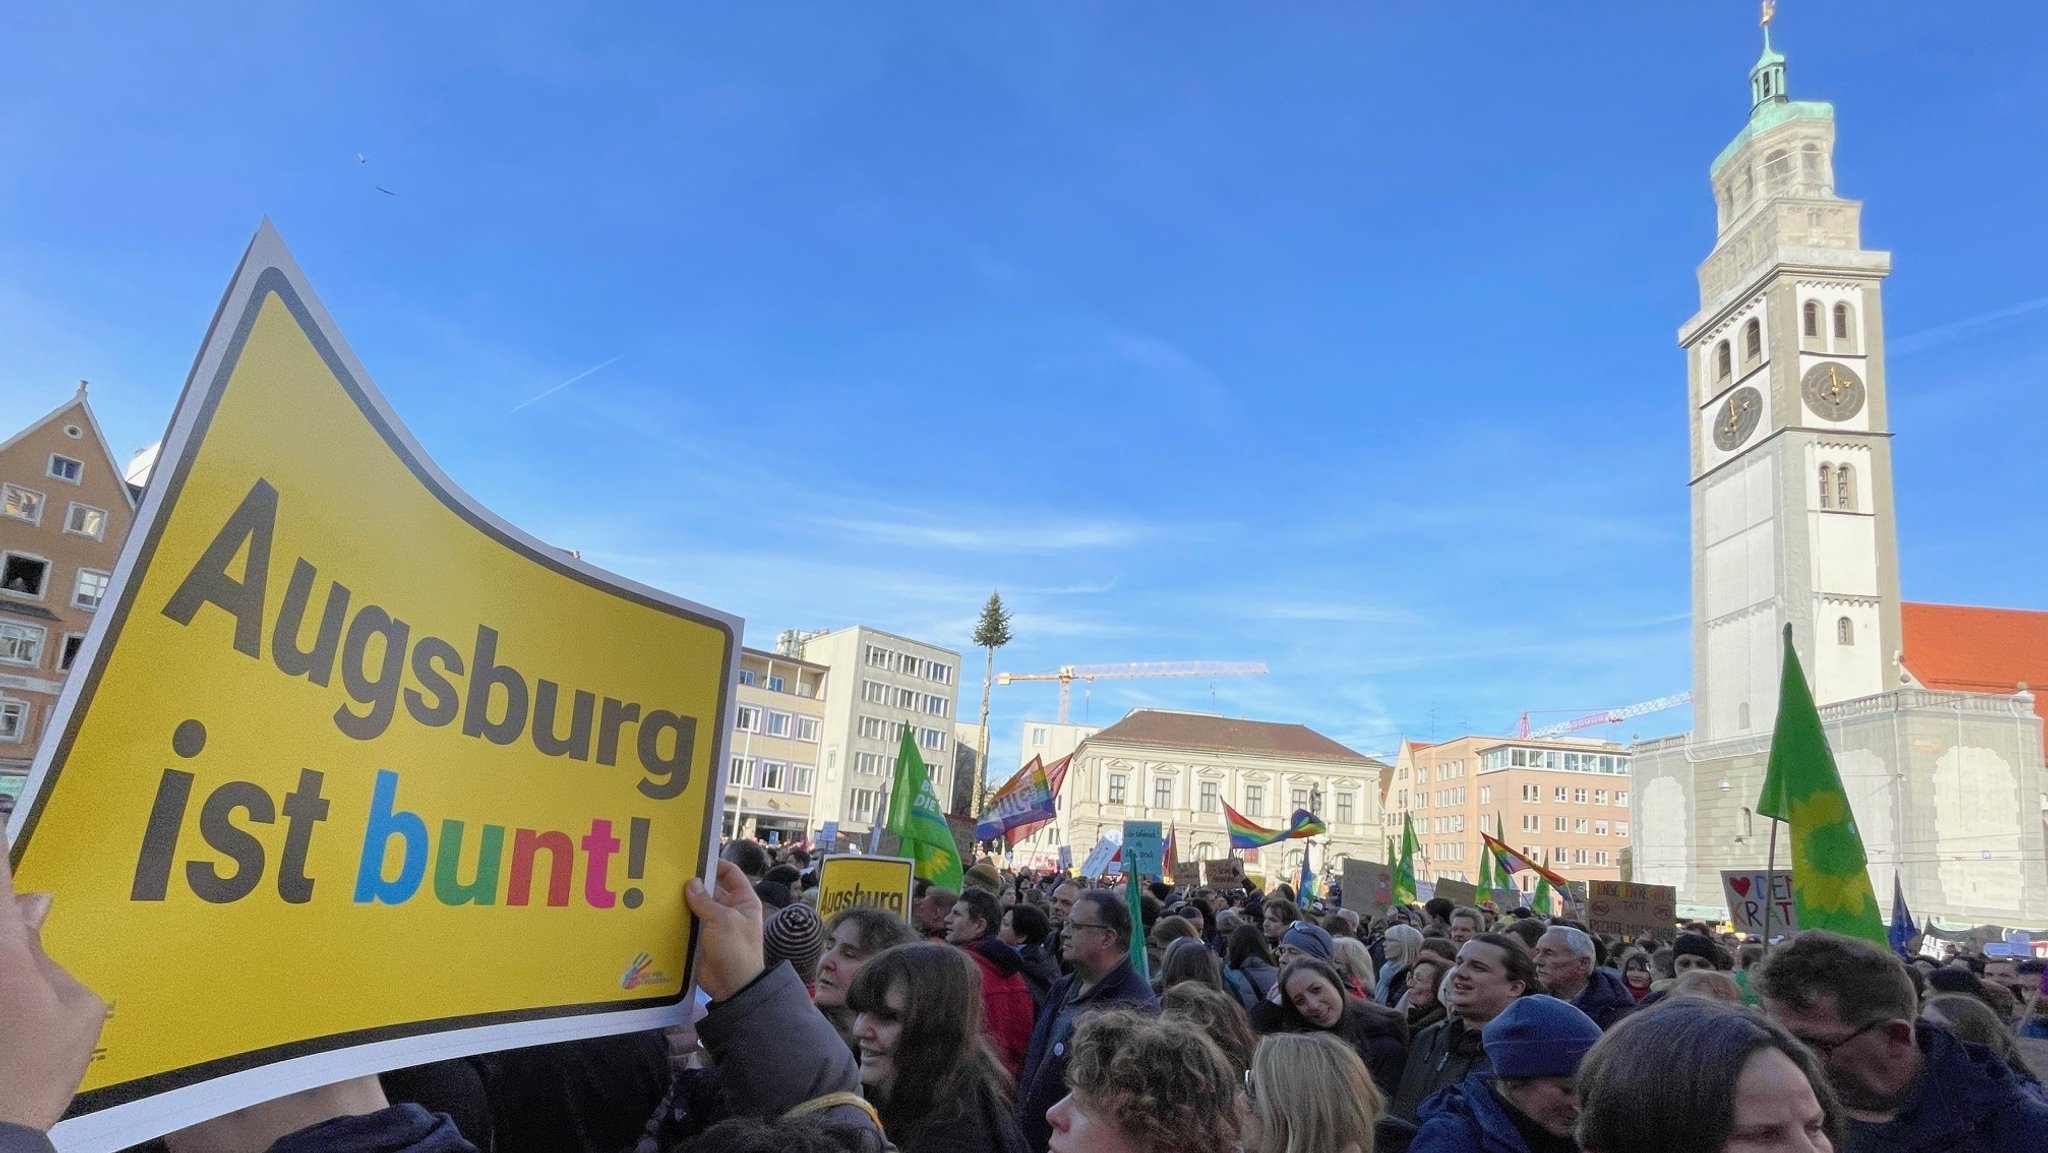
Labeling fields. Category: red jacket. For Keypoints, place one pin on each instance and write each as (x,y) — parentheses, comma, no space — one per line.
(1007,1012)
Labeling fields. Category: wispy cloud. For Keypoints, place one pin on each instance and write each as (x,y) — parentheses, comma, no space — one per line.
(1165,363)
(1955,330)
(595,368)
(1017,537)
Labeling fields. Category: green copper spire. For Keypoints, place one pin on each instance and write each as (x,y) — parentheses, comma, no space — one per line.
(1767,79)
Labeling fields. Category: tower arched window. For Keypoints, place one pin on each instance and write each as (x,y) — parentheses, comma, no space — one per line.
(1845,328)
(1845,488)
(1724,366)
(1827,486)
(1752,345)
(1809,319)
(1845,631)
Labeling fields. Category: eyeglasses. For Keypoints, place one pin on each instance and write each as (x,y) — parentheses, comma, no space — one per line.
(1825,1050)
(1086,925)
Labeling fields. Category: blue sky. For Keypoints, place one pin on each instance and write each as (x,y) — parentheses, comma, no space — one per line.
(1335,336)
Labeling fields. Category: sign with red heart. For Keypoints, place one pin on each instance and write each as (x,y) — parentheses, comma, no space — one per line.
(1751,891)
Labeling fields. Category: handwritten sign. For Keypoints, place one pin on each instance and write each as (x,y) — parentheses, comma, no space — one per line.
(1750,892)
(1144,848)
(1368,886)
(1097,864)
(1187,875)
(1223,873)
(1630,910)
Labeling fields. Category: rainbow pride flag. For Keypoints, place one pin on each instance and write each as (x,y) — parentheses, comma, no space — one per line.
(1246,835)
(1515,862)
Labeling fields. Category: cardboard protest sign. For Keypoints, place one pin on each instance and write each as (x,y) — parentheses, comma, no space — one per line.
(1749,891)
(1144,848)
(1097,864)
(1630,910)
(883,883)
(1503,899)
(1368,886)
(1187,875)
(1223,873)
(1457,892)
(352,774)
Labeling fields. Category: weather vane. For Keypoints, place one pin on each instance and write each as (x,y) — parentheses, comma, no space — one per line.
(1770,10)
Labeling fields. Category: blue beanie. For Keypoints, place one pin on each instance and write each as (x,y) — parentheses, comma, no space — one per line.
(1538,1036)
(1310,939)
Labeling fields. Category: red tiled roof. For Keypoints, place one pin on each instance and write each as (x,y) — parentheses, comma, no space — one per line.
(1965,649)
(1203,731)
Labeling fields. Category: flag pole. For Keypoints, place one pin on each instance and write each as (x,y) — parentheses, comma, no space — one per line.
(1770,870)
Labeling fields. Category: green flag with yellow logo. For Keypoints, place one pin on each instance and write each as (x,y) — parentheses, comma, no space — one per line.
(1830,874)
(915,817)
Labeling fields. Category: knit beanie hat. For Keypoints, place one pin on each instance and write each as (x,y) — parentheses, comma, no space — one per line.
(794,934)
(985,877)
(1310,939)
(1694,945)
(1538,1036)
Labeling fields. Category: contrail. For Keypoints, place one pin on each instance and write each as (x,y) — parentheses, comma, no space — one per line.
(1943,333)
(572,380)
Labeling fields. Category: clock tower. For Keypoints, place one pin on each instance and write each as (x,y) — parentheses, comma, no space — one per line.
(1791,470)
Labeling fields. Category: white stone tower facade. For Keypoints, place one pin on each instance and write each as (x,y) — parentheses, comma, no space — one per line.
(1791,458)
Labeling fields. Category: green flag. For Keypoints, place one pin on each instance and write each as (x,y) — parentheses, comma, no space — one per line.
(1485,869)
(1540,900)
(917,820)
(1404,864)
(1830,875)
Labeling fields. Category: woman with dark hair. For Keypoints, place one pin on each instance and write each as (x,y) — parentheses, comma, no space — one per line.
(924,1062)
(1697,1076)
(1218,1015)
(1314,1000)
(1253,962)
(852,938)
(1025,929)
(1188,959)
(1636,974)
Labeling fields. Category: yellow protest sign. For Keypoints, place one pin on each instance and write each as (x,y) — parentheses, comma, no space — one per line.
(876,882)
(352,773)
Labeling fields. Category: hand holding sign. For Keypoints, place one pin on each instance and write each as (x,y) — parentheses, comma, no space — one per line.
(52,1021)
(729,955)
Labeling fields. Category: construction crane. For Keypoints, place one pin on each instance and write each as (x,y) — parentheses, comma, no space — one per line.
(1066,675)
(1604,717)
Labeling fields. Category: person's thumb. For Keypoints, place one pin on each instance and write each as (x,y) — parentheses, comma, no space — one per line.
(35,907)
(699,897)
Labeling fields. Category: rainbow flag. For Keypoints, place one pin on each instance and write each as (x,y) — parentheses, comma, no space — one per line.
(1515,862)
(1023,803)
(1246,835)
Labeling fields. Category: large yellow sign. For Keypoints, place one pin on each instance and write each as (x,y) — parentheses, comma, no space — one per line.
(349,761)
(883,883)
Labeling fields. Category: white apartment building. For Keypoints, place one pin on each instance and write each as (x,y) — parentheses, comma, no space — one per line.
(882,684)
(777,732)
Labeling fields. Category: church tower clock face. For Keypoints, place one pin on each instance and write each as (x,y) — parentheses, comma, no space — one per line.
(1833,391)
(1737,418)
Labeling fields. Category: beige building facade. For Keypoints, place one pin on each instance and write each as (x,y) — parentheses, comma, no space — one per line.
(1567,800)
(778,733)
(64,511)
(881,684)
(1181,768)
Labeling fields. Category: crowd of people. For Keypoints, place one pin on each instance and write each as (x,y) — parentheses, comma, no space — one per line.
(1012,1017)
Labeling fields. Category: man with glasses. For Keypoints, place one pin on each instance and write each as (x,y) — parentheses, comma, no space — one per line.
(1906,1085)
(1097,946)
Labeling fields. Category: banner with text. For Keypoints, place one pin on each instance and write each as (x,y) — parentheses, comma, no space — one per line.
(351,774)
(1629,910)
(1751,891)
(884,883)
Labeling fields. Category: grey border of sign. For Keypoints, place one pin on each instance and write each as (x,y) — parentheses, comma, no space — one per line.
(116,1116)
